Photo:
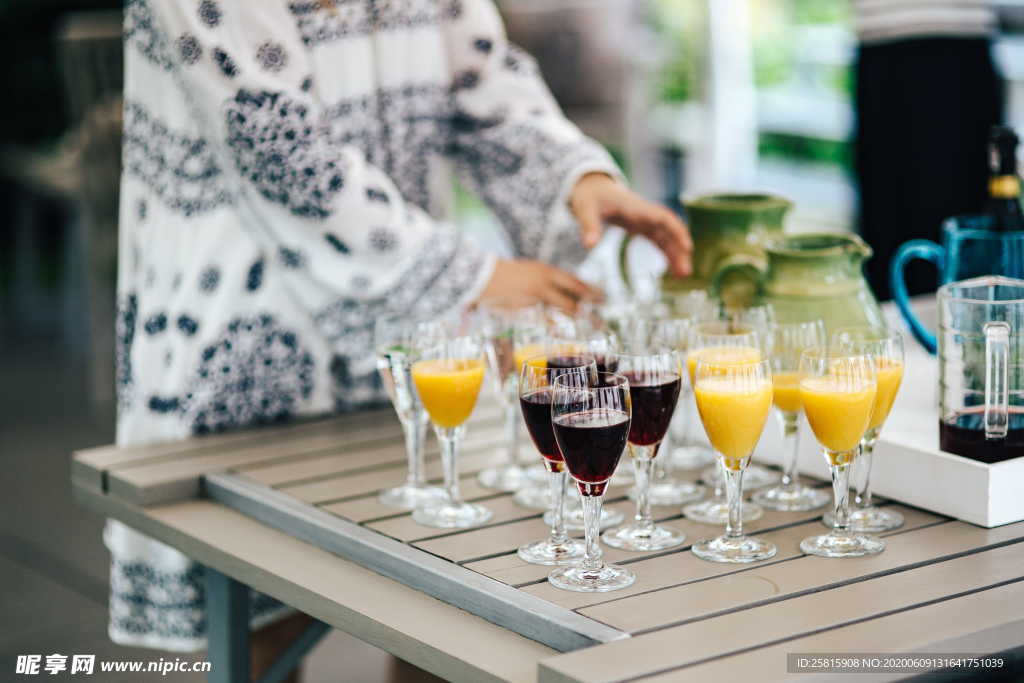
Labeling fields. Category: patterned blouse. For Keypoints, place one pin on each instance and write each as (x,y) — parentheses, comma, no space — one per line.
(287,173)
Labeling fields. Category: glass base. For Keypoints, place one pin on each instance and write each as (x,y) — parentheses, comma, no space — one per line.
(533,497)
(740,549)
(798,499)
(608,577)
(716,511)
(503,478)
(870,520)
(546,552)
(672,492)
(633,537)
(448,516)
(538,474)
(691,457)
(409,497)
(842,545)
(574,516)
(754,477)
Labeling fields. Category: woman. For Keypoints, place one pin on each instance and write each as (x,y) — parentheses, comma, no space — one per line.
(285,182)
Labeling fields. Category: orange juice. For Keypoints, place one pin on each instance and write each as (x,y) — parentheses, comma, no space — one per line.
(523,352)
(448,388)
(890,374)
(838,409)
(733,413)
(724,355)
(786,396)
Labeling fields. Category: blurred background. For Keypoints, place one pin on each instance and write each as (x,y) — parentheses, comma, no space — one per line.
(690,96)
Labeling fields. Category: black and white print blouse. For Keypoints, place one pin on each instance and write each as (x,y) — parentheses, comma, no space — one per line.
(286,179)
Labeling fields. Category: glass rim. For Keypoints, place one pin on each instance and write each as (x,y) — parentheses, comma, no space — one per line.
(620,382)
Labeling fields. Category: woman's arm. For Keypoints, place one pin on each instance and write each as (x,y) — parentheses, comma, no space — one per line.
(551,186)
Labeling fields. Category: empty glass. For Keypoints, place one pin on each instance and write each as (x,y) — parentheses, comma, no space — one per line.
(395,341)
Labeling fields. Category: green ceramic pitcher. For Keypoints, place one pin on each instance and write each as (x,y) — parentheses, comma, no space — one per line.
(729,232)
(818,275)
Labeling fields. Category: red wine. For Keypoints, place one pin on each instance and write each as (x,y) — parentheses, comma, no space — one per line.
(592,442)
(965,435)
(654,399)
(567,362)
(608,363)
(536,408)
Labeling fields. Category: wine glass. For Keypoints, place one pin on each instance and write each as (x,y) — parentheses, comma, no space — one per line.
(600,346)
(756,319)
(886,347)
(447,376)
(508,334)
(678,450)
(837,391)
(535,394)
(395,340)
(721,342)
(654,382)
(733,399)
(787,342)
(591,424)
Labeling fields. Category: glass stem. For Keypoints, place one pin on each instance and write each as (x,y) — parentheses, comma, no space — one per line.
(512,433)
(732,474)
(591,527)
(791,447)
(866,456)
(415,440)
(840,465)
(450,439)
(558,536)
(642,462)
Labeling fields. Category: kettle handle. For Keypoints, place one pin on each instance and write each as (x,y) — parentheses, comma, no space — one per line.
(748,265)
(926,250)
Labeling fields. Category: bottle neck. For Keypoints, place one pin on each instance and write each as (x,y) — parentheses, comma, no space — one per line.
(1005,186)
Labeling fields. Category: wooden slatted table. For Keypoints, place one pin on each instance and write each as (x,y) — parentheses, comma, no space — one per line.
(941,585)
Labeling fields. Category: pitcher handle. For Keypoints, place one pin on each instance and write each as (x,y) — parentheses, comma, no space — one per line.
(925,250)
(997,373)
(748,265)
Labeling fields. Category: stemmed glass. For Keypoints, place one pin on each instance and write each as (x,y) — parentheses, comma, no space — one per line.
(535,397)
(723,343)
(837,391)
(591,423)
(654,382)
(666,489)
(395,340)
(448,376)
(600,346)
(886,347)
(787,342)
(756,320)
(733,400)
(507,334)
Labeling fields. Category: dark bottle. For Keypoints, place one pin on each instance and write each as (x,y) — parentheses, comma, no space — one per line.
(1004,185)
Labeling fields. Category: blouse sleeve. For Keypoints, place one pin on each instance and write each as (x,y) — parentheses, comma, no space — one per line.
(367,253)
(512,144)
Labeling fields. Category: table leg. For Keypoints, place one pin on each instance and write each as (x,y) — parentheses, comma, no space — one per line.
(227,609)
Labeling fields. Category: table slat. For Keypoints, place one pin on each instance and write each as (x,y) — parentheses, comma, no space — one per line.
(681,645)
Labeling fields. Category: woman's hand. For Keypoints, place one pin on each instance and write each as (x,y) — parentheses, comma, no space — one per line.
(518,283)
(598,198)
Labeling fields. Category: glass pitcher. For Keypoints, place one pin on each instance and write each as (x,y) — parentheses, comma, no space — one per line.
(981,368)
